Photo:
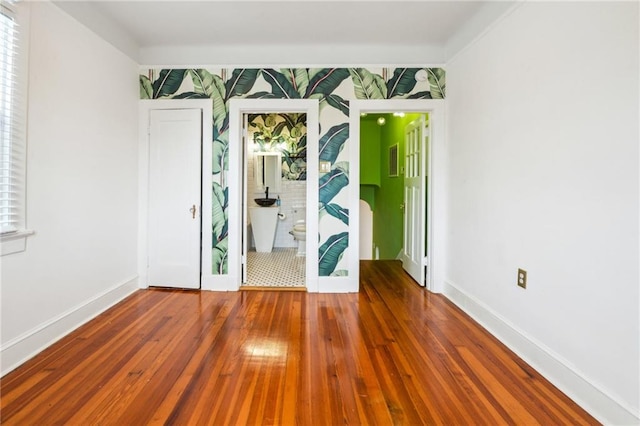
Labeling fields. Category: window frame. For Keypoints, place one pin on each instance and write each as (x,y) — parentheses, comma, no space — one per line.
(14,240)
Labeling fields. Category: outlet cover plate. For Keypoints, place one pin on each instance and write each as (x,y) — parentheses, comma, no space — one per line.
(522,278)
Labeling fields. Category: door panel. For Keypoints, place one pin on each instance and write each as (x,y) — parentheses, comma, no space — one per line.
(414,200)
(175,151)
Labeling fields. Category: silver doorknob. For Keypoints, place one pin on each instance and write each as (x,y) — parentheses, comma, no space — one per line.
(193,211)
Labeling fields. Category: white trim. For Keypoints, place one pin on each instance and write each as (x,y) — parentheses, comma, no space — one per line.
(146,67)
(343,55)
(14,242)
(144,109)
(18,350)
(436,184)
(238,107)
(337,284)
(353,250)
(600,403)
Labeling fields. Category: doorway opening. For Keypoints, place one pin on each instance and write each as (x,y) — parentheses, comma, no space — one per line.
(420,171)
(275,188)
(393,185)
(263,146)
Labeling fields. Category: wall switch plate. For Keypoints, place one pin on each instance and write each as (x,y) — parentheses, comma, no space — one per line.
(522,278)
(324,167)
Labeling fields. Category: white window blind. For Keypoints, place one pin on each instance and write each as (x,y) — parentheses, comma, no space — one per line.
(12,143)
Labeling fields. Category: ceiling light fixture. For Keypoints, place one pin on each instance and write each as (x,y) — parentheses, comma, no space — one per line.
(381,121)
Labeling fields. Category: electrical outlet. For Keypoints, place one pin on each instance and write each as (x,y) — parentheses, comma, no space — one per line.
(522,278)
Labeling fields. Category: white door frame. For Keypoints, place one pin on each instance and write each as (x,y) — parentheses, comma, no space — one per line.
(144,110)
(435,187)
(237,108)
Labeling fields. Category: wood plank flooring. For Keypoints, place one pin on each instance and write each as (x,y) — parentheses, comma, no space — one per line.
(393,354)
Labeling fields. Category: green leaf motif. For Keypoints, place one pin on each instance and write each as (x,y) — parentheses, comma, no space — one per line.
(340,273)
(298,78)
(437,82)
(190,95)
(202,82)
(420,95)
(312,72)
(331,252)
(241,82)
(221,153)
(146,89)
(402,82)
(332,183)
(219,214)
(338,103)
(211,86)
(168,83)
(220,115)
(333,141)
(301,150)
(326,81)
(338,212)
(368,85)
(262,95)
(219,257)
(280,86)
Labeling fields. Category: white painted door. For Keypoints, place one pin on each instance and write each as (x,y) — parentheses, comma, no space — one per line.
(413,253)
(175,151)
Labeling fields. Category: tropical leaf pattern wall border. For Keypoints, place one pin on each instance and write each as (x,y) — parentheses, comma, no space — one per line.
(334,88)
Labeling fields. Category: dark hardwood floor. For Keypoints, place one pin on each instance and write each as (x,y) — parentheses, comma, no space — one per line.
(392,354)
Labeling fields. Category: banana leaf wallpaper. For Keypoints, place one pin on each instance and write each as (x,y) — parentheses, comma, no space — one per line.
(333,87)
(284,133)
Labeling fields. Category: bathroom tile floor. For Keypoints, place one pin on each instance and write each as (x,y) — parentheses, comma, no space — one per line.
(280,268)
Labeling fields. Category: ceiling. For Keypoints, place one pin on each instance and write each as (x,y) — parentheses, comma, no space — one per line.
(165,32)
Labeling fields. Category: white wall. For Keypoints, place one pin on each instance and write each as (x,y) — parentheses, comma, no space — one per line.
(81,186)
(543,148)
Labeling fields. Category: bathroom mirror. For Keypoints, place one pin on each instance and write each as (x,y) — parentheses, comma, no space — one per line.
(268,171)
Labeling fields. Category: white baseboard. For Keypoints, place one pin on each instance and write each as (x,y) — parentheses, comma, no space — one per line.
(20,349)
(220,283)
(337,285)
(558,371)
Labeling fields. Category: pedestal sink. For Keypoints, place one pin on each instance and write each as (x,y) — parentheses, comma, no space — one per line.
(263,226)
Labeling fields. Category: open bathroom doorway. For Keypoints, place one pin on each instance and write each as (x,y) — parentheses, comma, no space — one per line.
(276,181)
(275,188)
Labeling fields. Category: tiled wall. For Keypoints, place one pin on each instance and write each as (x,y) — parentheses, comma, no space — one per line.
(292,194)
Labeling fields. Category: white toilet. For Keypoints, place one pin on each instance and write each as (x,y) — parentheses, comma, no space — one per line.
(299,230)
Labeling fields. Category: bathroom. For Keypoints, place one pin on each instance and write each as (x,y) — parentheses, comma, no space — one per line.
(276,151)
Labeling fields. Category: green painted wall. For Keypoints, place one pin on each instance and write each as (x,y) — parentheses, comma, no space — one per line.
(369,153)
(388,217)
(369,161)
